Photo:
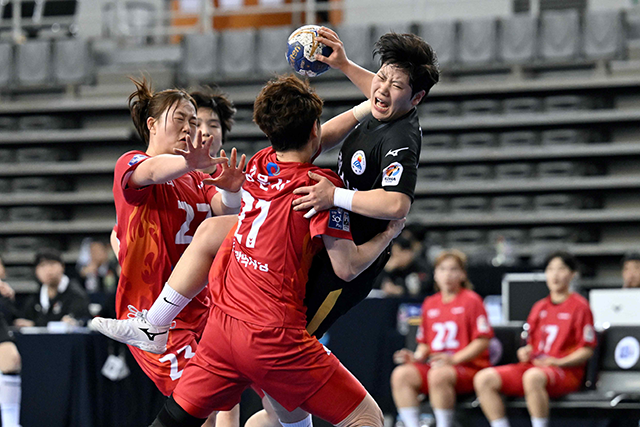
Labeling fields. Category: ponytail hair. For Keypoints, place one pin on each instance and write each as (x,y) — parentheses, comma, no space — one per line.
(460,258)
(144,103)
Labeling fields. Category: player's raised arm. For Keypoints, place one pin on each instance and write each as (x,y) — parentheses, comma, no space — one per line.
(349,260)
(360,77)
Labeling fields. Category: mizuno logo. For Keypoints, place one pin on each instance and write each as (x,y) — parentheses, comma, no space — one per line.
(151,335)
(394,153)
(169,302)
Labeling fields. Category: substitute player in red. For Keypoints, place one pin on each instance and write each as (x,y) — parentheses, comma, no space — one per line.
(552,364)
(453,343)
(256,332)
(160,200)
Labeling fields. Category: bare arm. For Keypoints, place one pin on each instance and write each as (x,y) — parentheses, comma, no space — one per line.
(336,130)
(359,76)
(349,260)
(165,167)
(576,358)
(471,351)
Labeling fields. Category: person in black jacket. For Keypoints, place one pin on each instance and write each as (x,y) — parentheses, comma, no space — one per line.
(59,299)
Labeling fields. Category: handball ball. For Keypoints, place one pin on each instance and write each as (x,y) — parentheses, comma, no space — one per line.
(301,51)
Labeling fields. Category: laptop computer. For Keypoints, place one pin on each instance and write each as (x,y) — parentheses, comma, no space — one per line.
(615,307)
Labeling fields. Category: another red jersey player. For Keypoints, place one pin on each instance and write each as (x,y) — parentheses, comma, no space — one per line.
(453,343)
(256,332)
(160,200)
(552,364)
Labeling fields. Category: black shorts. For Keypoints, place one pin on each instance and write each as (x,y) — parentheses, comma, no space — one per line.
(328,297)
(5,333)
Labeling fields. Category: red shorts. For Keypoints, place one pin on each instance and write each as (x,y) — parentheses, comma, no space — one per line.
(288,364)
(464,378)
(166,369)
(560,381)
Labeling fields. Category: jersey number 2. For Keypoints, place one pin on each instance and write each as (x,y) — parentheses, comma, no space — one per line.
(445,338)
(181,237)
(263,205)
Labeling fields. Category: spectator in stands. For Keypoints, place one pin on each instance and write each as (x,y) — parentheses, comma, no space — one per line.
(453,343)
(560,341)
(101,273)
(10,363)
(631,270)
(406,273)
(59,299)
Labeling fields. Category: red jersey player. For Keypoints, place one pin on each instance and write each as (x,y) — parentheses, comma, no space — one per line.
(453,343)
(552,364)
(256,331)
(160,200)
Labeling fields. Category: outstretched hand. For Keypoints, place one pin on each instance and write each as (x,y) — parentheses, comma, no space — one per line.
(196,153)
(318,197)
(232,176)
(338,58)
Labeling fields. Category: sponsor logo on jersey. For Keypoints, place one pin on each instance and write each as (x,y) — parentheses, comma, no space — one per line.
(543,314)
(434,312)
(627,352)
(564,316)
(391,174)
(339,219)
(137,159)
(395,152)
(358,162)
(457,310)
(273,169)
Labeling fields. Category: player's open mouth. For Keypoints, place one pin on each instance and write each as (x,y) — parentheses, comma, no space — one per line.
(381,105)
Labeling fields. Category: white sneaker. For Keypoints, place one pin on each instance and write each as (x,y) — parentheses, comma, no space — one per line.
(135,331)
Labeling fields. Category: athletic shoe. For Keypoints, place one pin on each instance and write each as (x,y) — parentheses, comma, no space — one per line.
(135,331)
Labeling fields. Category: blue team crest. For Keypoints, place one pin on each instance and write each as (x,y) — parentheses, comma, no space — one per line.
(137,159)
(273,169)
(358,162)
(339,219)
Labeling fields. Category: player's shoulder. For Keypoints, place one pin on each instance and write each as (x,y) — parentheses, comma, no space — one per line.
(327,173)
(433,300)
(407,125)
(131,158)
(540,304)
(578,300)
(471,296)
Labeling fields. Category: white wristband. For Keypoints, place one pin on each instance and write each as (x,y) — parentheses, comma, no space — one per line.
(343,198)
(230,199)
(362,110)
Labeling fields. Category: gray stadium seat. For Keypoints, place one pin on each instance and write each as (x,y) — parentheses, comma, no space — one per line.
(29,155)
(33,62)
(478,41)
(522,105)
(513,235)
(6,58)
(381,29)
(438,141)
(19,273)
(472,243)
(440,108)
(71,61)
(29,243)
(517,139)
(357,43)
(199,58)
(550,234)
(480,106)
(548,202)
(7,155)
(430,206)
(510,203)
(603,34)
(510,171)
(34,213)
(477,140)
(434,173)
(469,204)
(40,122)
(35,185)
(563,137)
(465,237)
(7,124)
(560,169)
(270,56)
(237,52)
(5,186)
(472,172)
(518,39)
(560,35)
(441,36)
(566,103)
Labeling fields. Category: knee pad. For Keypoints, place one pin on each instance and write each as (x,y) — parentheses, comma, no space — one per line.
(172,415)
(367,413)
